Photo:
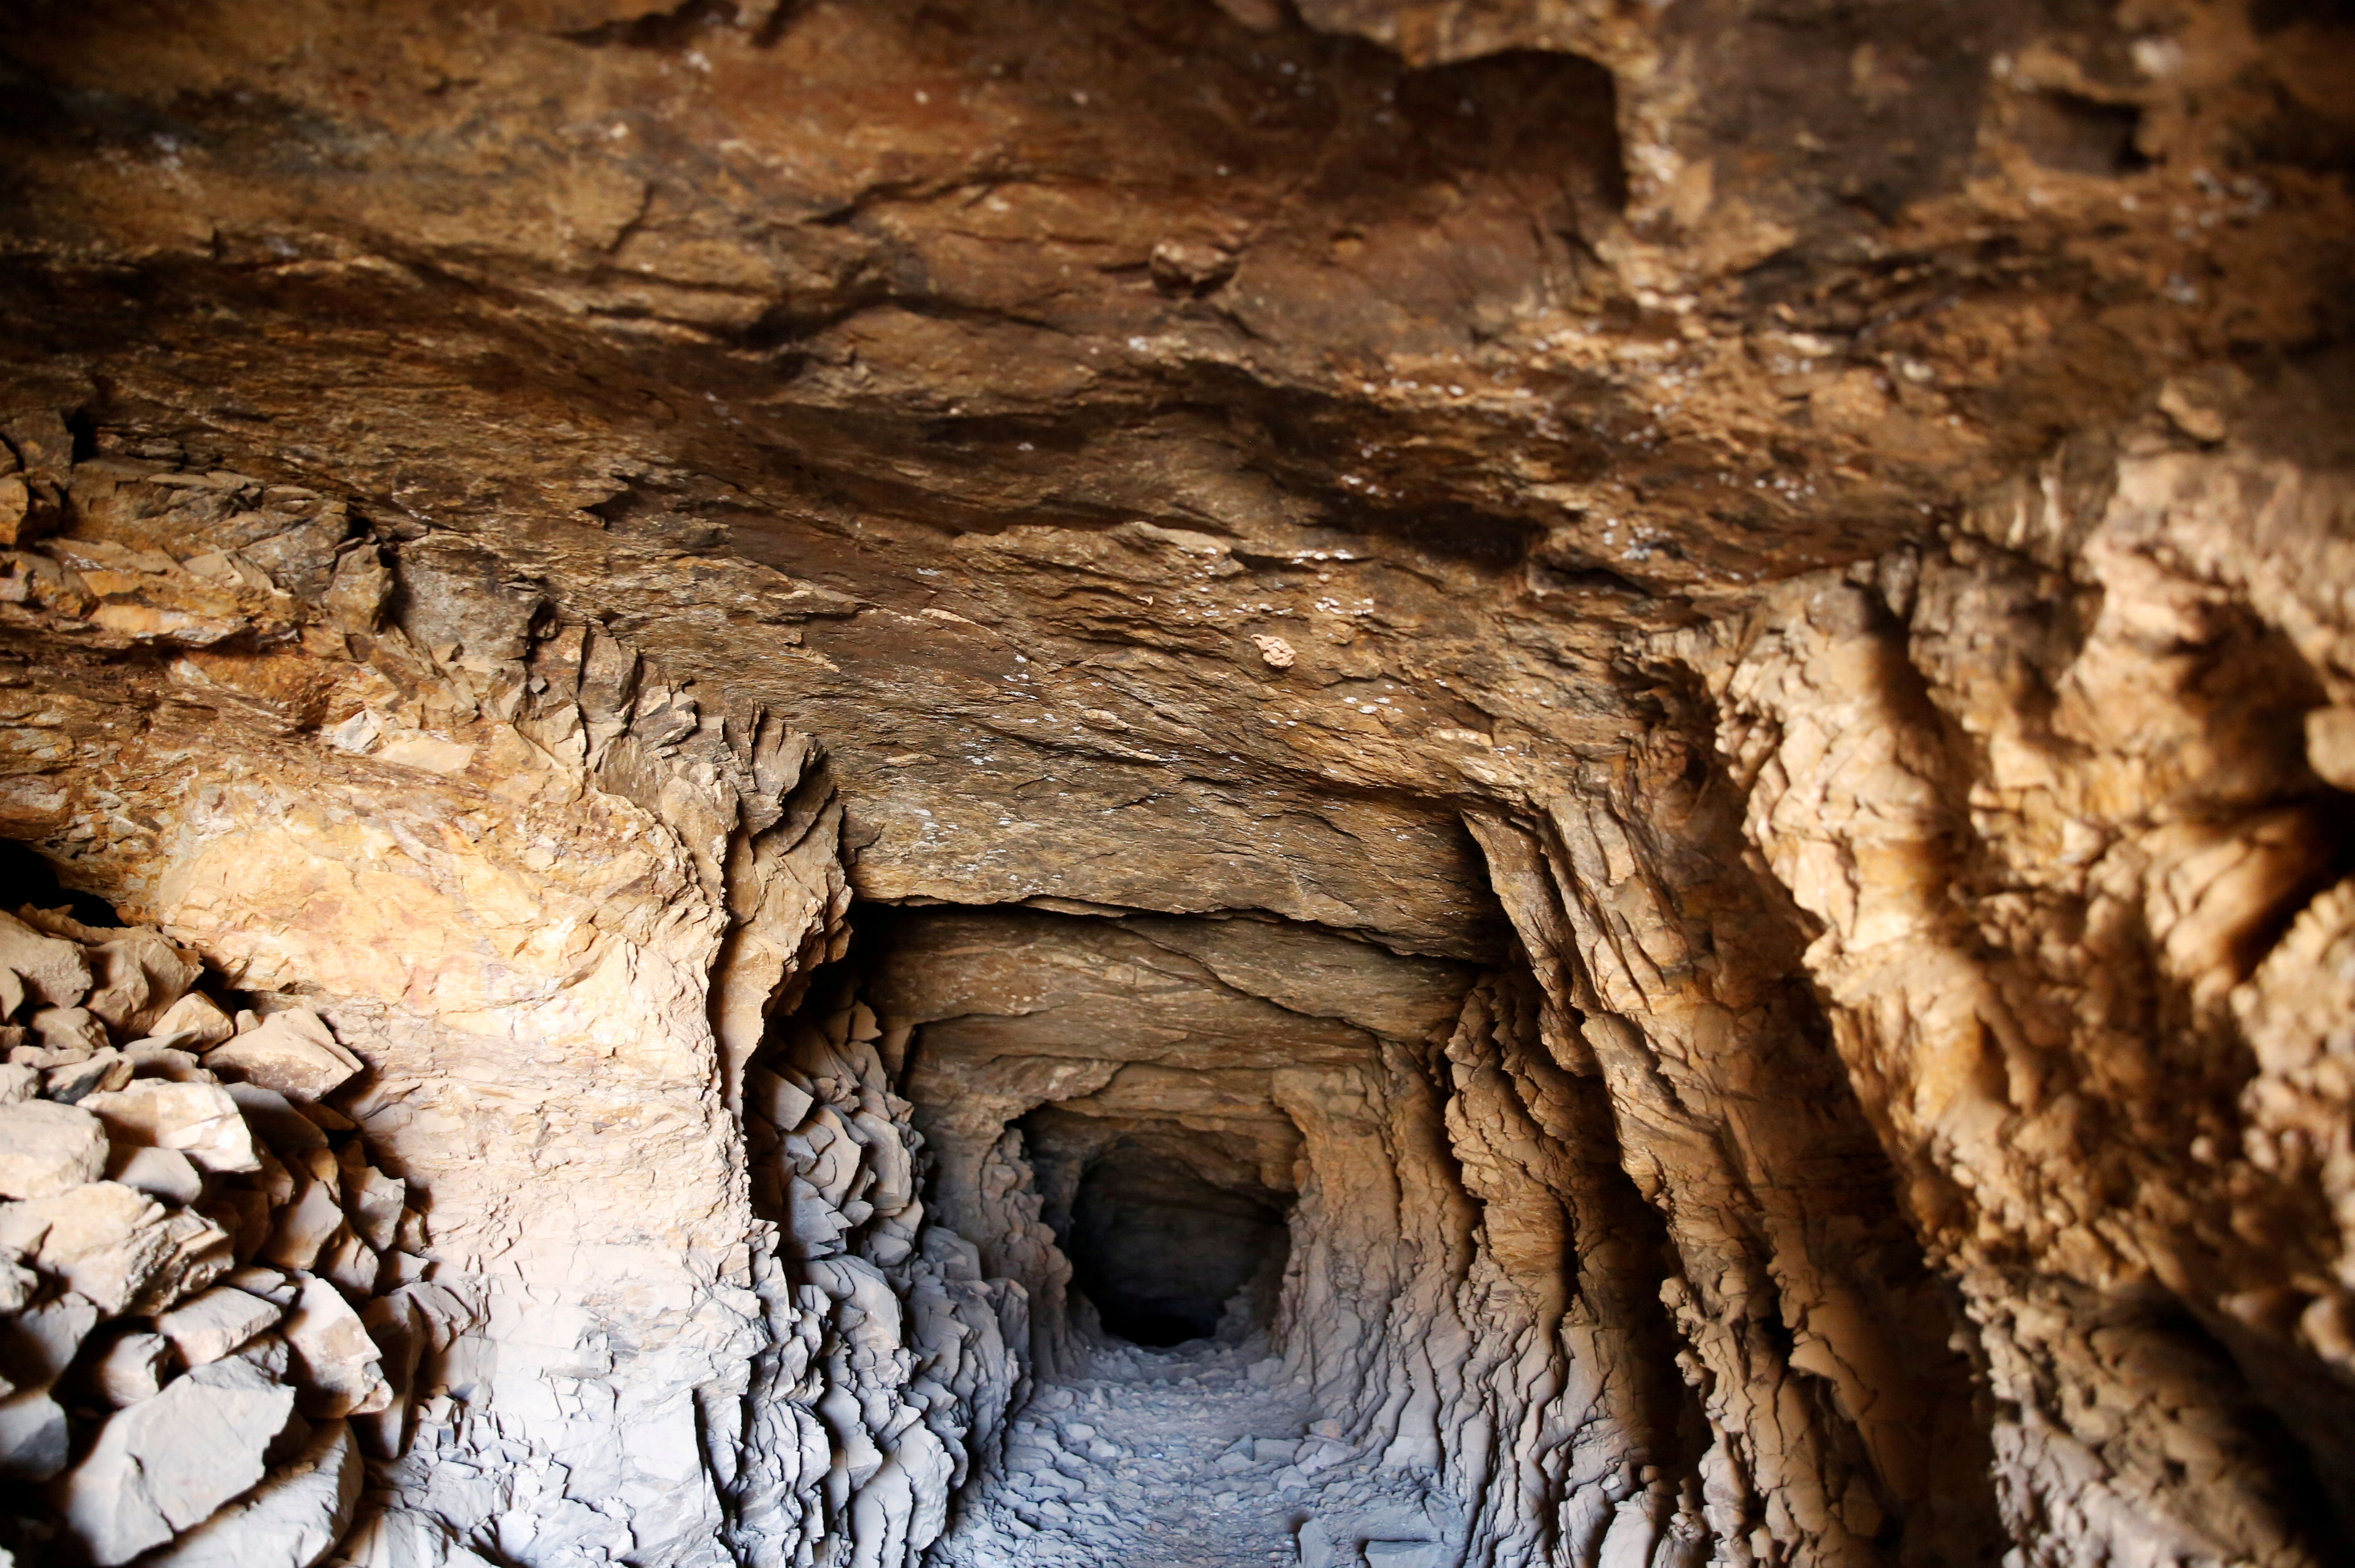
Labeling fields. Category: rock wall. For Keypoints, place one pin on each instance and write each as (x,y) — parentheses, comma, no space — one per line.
(1630,1248)
(2061,795)
(549,902)
(1471,1289)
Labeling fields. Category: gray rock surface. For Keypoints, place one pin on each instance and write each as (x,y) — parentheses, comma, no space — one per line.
(164,1465)
(134,1367)
(292,1519)
(198,1120)
(210,1324)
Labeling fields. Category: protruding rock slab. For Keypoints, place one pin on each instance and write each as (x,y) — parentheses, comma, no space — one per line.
(55,972)
(291,1521)
(208,1326)
(48,1148)
(165,1464)
(200,1120)
(290,1052)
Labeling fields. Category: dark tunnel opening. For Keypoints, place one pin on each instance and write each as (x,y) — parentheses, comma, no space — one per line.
(1165,1253)
(1167,1256)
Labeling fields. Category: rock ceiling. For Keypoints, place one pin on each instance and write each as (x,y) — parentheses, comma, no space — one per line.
(986,384)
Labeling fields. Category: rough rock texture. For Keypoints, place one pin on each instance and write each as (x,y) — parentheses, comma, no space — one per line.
(186,1437)
(2047,791)
(1673,681)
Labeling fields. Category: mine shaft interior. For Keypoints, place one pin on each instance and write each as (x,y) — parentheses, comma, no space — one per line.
(1176,784)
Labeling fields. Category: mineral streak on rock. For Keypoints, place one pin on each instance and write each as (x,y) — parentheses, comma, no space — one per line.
(1396,782)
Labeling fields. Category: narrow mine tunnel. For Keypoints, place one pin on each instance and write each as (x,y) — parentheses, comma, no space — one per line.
(1169,1239)
(1196,783)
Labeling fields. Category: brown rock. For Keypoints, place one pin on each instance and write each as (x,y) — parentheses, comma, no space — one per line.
(290,1052)
(75,1082)
(72,1032)
(373,1202)
(16,505)
(200,1120)
(211,1325)
(337,1366)
(105,1240)
(1610,724)
(196,1017)
(134,1367)
(165,1175)
(200,1252)
(140,979)
(53,972)
(306,1228)
(149,1061)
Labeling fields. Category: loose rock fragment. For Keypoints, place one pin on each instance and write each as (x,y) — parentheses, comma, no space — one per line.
(372,1201)
(37,1347)
(165,1175)
(1276,653)
(208,1326)
(290,1052)
(305,1229)
(275,1118)
(134,1367)
(165,1464)
(54,972)
(73,1083)
(17,1284)
(196,1016)
(292,1520)
(351,1262)
(152,1060)
(199,1252)
(103,1239)
(1405,1555)
(45,1149)
(34,1440)
(200,1120)
(338,1366)
(74,1030)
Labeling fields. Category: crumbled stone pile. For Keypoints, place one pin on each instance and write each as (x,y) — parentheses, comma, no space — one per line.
(216,1299)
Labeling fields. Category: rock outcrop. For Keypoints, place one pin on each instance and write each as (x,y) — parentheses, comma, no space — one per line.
(1391,781)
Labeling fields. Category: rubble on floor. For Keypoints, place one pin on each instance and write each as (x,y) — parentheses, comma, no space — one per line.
(212,1298)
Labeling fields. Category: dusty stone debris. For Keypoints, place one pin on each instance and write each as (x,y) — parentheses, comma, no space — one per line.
(1385,782)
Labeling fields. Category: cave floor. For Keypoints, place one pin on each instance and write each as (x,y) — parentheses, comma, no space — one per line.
(1197,1457)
